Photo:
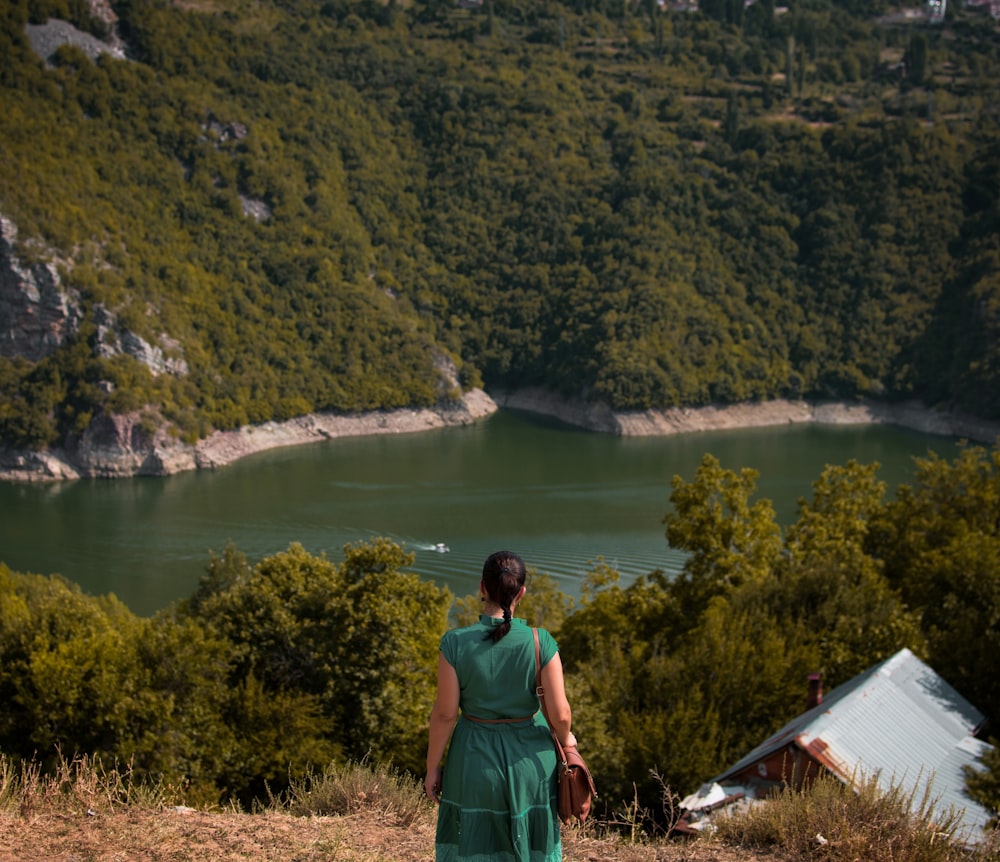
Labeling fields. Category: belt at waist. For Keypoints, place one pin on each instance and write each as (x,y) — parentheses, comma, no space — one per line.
(499,720)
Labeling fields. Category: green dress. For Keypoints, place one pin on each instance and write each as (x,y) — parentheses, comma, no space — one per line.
(498,800)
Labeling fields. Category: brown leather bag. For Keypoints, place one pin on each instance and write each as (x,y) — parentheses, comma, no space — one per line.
(574,783)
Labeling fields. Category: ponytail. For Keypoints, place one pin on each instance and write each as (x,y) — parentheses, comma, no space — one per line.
(503,577)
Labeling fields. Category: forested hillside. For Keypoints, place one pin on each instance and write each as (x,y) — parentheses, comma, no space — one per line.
(320,205)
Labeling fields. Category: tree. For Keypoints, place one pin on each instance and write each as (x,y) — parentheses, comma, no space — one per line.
(730,540)
(83,675)
(276,734)
(984,784)
(916,59)
(685,676)
(387,625)
(184,738)
(940,544)
(747,669)
(276,615)
(608,646)
(349,650)
(829,584)
(69,670)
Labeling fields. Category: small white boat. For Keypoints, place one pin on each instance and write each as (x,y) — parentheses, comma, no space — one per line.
(441,548)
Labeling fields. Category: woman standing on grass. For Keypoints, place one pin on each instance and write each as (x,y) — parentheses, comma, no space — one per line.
(497,792)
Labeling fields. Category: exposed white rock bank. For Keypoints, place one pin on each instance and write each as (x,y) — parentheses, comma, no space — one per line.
(121,446)
(751,414)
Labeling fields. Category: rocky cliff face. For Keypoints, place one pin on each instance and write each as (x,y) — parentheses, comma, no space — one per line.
(112,339)
(36,314)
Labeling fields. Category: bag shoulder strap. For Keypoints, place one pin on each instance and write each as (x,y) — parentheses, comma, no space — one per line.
(539,688)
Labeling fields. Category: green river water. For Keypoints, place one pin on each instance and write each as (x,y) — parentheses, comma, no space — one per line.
(559,496)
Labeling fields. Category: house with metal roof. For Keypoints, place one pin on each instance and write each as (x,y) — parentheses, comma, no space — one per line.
(898,723)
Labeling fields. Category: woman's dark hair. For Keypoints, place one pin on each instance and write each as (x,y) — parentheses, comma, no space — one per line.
(503,577)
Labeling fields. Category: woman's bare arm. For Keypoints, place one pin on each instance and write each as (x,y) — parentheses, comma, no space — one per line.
(443,717)
(557,709)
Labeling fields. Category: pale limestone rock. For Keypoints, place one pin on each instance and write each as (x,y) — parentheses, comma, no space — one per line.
(749,414)
(112,340)
(46,39)
(535,399)
(28,466)
(36,314)
(119,446)
(224,447)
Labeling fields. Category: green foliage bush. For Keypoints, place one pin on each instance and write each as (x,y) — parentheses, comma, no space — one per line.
(348,649)
(266,672)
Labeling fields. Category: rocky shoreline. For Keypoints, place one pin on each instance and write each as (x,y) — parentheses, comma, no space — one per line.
(118,447)
(750,414)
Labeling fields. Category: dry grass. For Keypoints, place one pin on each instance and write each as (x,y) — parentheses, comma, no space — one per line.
(834,822)
(168,835)
(356,789)
(360,813)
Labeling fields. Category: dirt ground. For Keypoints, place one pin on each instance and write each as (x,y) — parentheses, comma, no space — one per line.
(178,835)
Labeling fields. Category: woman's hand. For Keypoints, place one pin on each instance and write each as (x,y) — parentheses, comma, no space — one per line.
(432,784)
(570,741)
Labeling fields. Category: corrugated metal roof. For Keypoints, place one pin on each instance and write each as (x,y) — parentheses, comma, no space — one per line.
(898,721)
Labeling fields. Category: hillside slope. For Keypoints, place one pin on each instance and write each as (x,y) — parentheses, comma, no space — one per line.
(247,212)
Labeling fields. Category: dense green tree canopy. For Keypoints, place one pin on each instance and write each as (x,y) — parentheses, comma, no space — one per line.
(266,671)
(315,205)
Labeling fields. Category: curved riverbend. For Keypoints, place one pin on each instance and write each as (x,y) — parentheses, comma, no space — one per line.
(561,496)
